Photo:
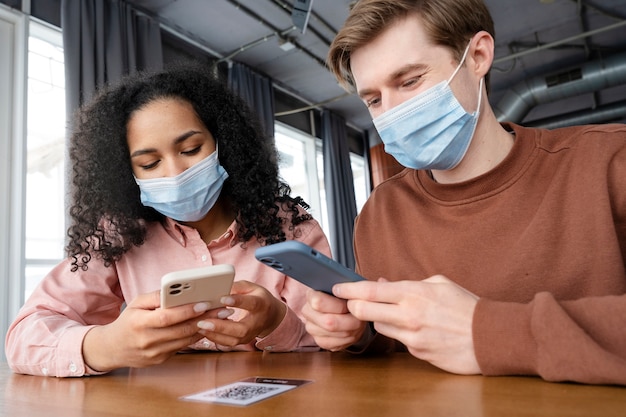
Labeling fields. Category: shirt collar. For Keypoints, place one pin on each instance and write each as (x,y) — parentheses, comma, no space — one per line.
(182,233)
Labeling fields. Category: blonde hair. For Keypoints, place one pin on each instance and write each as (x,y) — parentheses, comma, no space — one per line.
(449,23)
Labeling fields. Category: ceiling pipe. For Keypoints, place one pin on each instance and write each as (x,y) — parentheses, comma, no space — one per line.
(591,76)
(243,48)
(274,30)
(288,8)
(614,112)
(559,42)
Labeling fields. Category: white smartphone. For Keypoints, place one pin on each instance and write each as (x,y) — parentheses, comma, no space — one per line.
(205,284)
(306,264)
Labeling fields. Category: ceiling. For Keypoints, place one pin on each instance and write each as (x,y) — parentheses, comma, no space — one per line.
(534,39)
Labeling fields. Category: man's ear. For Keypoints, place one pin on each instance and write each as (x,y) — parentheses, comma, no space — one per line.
(480,55)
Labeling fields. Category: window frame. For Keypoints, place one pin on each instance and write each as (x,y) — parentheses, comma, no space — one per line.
(54,36)
(313,150)
(13,159)
(311,146)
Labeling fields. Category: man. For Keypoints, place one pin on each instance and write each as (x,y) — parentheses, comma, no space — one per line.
(500,249)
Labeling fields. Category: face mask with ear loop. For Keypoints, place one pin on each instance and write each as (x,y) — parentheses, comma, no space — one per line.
(188,196)
(431,130)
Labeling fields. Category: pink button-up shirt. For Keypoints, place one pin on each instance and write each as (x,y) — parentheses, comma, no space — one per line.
(47,335)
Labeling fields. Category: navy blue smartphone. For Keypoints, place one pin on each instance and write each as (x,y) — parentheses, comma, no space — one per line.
(306,264)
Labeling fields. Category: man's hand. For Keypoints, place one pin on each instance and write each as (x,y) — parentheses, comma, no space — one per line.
(329,321)
(432,318)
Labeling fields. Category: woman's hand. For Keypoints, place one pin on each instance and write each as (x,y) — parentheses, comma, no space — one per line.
(262,314)
(143,334)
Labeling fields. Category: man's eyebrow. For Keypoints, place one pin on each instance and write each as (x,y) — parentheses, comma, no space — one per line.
(406,69)
(178,140)
(365,92)
(399,73)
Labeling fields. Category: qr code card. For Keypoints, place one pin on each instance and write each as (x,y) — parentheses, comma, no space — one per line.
(246,391)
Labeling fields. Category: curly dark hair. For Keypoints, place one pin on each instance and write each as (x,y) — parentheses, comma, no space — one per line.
(108,218)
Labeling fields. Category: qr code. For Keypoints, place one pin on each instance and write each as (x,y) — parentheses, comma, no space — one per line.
(240,393)
(243,392)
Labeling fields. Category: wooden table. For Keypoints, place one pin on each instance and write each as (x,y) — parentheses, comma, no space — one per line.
(344,385)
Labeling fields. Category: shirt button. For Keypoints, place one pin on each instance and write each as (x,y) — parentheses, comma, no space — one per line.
(206,344)
(269,348)
(44,371)
(203,258)
(73,367)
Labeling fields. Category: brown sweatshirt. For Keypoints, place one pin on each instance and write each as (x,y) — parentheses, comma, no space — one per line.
(541,239)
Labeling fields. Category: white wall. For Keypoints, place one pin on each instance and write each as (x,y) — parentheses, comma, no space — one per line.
(13,52)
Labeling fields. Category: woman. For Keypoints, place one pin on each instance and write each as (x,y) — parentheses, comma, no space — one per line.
(170,171)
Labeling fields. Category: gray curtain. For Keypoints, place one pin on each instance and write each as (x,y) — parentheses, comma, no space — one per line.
(104,40)
(257,91)
(339,184)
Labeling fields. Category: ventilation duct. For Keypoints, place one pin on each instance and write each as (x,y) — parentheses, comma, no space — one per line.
(614,112)
(590,77)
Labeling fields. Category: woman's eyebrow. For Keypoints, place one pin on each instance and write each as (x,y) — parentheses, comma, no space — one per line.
(185,136)
(178,140)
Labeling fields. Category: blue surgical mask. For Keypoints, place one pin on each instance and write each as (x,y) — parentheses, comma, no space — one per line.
(430,130)
(190,195)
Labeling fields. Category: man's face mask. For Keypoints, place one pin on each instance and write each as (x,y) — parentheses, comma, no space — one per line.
(430,130)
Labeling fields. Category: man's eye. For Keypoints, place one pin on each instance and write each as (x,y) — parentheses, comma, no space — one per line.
(372,102)
(410,82)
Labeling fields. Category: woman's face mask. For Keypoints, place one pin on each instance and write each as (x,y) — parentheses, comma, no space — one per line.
(188,196)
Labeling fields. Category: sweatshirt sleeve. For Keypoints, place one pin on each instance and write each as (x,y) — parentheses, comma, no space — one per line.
(581,340)
(47,335)
(578,340)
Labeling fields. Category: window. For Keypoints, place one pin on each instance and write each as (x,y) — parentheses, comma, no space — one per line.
(359,174)
(45,183)
(298,163)
(302,167)
(13,40)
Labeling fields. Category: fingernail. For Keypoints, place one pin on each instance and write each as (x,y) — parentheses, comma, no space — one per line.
(206,325)
(222,314)
(201,307)
(227,300)
(337,291)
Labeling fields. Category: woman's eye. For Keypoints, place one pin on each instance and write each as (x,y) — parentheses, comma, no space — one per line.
(149,166)
(192,151)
